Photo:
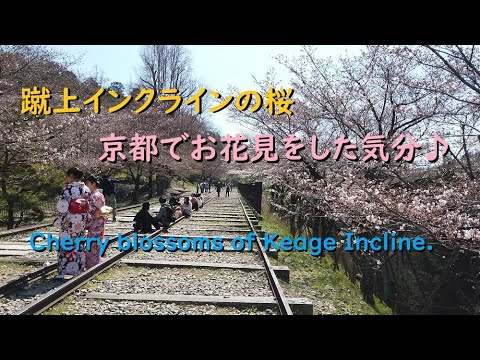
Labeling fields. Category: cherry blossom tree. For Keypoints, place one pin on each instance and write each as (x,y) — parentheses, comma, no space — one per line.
(385,90)
(452,71)
(26,141)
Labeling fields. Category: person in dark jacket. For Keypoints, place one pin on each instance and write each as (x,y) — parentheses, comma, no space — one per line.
(173,201)
(165,214)
(143,221)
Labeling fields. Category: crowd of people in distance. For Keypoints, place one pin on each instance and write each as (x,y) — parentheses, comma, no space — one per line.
(228,188)
(81,211)
(205,186)
(170,211)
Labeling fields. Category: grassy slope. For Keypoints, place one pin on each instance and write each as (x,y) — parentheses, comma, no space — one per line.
(330,291)
(183,185)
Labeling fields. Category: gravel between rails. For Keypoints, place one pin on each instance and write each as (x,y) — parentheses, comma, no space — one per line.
(53,255)
(223,256)
(84,306)
(220,282)
(199,256)
(11,306)
(206,227)
(204,233)
(11,271)
(15,301)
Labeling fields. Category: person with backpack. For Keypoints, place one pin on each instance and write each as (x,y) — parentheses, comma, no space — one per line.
(227,190)
(73,208)
(109,191)
(165,214)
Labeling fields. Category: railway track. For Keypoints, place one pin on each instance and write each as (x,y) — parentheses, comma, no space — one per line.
(193,282)
(20,266)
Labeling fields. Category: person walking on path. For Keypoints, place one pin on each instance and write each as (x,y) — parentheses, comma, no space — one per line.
(96,228)
(219,188)
(73,217)
(227,190)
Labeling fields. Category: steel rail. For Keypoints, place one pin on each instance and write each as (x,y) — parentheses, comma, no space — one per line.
(14,284)
(272,278)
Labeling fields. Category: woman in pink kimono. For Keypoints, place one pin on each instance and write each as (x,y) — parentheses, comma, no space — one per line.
(96,227)
(73,217)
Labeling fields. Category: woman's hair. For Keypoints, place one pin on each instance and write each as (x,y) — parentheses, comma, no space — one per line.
(93,179)
(75,172)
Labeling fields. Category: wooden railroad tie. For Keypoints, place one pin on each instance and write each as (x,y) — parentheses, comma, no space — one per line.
(298,305)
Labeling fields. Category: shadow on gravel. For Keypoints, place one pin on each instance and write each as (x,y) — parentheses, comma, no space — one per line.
(36,288)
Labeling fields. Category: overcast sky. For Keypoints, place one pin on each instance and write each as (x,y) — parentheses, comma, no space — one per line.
(217,66)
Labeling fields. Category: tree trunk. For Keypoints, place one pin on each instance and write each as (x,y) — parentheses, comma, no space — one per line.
(136,181)
(293,229)
(11,213)
(316,226)
(159,184)
(151,172)
(467,155)
(366,284)
(136,188)
(10,203)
